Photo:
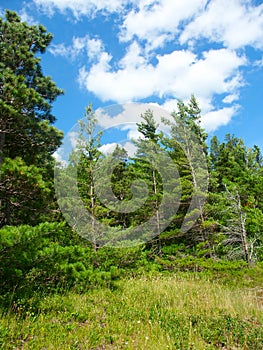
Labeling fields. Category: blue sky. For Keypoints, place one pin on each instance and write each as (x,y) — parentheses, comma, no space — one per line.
(119,51)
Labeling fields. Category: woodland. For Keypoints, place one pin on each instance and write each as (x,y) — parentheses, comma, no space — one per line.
(193,288)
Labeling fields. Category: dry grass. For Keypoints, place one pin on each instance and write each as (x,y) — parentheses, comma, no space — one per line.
(143,313)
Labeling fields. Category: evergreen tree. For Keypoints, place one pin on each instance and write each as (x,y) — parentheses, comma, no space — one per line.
(148,127)
(235,201)
(27,137)
(88,144)
(159,172)
(120,181)
(26,95)
(188,147)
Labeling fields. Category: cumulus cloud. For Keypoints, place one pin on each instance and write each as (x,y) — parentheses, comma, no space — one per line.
(126,84)
(234,23)
(163,55)
(178,74)
(214,119)
(157,22)
(134,57)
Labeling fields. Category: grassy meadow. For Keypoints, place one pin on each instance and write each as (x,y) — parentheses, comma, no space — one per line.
(180,310)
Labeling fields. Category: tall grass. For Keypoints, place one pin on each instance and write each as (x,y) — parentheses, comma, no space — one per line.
(161,312)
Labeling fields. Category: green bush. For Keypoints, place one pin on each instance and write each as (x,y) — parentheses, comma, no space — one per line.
(51,258)
(46,258)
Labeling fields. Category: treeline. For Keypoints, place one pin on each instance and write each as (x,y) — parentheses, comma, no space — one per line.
(167,229)
(203,200)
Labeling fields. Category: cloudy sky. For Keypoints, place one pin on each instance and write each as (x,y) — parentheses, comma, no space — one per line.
(156,51)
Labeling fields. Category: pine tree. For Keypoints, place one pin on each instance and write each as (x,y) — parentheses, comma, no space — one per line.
(234,199)
(148,127)
(88,144)
(188,148)
(27,137)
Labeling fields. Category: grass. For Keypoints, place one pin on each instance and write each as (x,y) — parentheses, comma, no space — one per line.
(174,311)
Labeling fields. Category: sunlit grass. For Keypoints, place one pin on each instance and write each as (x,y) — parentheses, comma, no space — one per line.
(162,312)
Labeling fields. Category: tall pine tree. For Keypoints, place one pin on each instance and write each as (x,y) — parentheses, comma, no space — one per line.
(27,137)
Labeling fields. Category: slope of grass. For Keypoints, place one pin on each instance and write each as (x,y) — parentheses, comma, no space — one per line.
(177,311)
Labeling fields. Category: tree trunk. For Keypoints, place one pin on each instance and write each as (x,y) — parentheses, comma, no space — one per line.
(92,208)
(243,230)
(159,243)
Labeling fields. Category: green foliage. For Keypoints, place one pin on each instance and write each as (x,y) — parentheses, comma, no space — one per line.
(18,204)
(50,257)
(210,225)
(26,95)
(26,132)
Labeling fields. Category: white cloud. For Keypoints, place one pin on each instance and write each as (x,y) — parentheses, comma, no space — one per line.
(211,119)
(182,68)
(108,148)
(81,7)
(92,47)
(130,148)
(127,115)
(80,43)
(133,133)
(231,98)
(73,138)
(215,73)
(178,74)
(62,155)
(59,158)
(236,23)
(25,17)
(124,85)
(158,21)
(60,50)
(258,63)
(124,117)
(214,119)
(134,57)
(205,104)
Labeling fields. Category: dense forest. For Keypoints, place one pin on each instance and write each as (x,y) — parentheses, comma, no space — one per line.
(209,217)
